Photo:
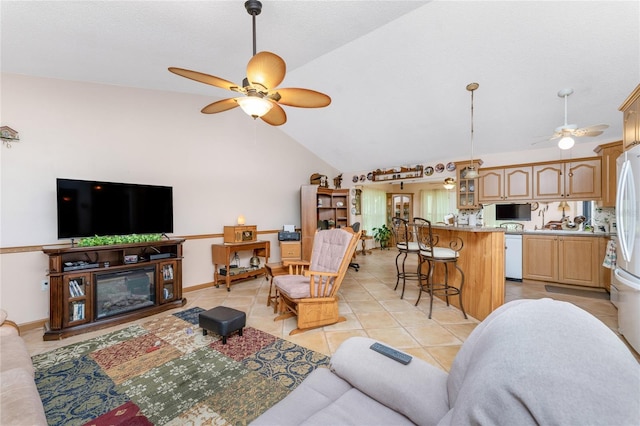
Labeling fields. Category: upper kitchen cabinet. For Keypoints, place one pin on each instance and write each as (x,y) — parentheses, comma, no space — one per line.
(505,184)
(579,179)
(609,153)
(548,181)
(583,179)
(467,187)
(631,119)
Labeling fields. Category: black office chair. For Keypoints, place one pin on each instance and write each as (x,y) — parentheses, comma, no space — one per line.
(354,265)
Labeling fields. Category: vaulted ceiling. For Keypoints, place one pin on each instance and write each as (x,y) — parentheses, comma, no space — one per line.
(396,70)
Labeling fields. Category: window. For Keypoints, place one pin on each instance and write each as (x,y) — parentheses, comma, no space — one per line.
(587,211)
(434,204)
(374,209)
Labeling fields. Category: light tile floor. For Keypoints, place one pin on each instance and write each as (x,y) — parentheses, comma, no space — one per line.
(370,305)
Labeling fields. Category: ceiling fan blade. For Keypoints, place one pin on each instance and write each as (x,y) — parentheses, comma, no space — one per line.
(590,131)
(276,116)
(556,135)
(266,69)
(583,132)
(220,106)
(206,78)
(303,98)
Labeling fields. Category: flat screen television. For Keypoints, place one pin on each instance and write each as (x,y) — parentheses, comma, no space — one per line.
(88,208)
(513,211)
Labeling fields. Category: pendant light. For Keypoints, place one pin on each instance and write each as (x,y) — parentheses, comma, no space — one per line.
(472,173)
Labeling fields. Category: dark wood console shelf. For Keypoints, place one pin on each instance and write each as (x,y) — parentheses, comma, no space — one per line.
(97,287)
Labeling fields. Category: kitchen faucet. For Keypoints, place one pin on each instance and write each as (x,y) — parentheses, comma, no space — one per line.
(541,212)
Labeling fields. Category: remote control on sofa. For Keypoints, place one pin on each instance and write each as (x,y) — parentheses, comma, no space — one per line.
(391,353)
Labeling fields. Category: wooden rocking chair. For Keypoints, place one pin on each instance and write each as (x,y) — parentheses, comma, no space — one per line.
(310,289)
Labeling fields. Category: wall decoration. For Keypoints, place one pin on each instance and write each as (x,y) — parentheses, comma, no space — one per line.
(357,200)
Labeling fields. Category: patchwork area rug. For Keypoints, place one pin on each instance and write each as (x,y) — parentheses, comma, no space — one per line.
(165,372)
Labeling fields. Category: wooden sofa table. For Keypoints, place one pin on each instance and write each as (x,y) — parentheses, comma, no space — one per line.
(221,256)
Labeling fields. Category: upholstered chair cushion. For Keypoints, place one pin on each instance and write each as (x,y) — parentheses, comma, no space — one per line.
(329,247)
(440,253)
(295,286)
(328,251)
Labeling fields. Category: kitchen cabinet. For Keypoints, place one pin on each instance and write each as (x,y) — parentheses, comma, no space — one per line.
(609,153)
(580,179)
(540,257)
(467,188)
(565,259)
(505,184)
(578,261)
(631,119)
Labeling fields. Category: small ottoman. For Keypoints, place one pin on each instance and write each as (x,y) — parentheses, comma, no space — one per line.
(222,321)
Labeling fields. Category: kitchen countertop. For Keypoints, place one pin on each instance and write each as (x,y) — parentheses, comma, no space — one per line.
(466,228)
(566,232)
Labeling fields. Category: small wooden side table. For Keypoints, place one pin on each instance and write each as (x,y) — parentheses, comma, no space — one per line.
(221,255)
(274,269)
(363,240)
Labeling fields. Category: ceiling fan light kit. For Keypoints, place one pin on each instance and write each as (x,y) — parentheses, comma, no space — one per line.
(449,183)
(254,106)
(566,142)
(262,99)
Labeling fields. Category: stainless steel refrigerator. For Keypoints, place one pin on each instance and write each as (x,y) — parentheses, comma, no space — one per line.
(626,275)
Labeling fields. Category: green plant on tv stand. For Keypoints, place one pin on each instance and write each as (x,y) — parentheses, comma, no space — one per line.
(107,240)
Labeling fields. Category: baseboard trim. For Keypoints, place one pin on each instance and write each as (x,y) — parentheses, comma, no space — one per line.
(197,287)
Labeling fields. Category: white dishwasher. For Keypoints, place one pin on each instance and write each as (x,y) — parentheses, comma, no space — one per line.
(513,257)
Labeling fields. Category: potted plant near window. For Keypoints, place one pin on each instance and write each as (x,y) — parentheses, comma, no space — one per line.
(382,235)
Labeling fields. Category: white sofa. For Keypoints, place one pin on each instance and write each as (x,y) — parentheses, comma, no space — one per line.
(20,402)
(529,362)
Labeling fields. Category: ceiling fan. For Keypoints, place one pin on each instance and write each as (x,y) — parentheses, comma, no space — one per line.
(260,95)
(567,132)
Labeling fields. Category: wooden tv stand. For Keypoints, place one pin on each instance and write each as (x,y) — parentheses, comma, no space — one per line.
(74,273)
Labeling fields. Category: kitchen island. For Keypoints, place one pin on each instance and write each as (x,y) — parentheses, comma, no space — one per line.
(482,261)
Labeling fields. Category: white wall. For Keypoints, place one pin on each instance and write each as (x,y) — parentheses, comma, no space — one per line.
(220,166)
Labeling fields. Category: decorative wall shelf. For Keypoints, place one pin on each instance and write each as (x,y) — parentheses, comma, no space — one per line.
(398,173)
